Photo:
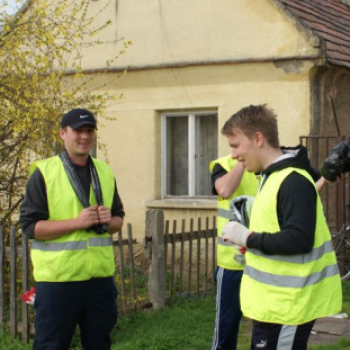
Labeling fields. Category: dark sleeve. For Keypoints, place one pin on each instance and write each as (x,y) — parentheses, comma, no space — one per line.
(217,172)
(296,208)
(117,205)
(316,174)
(34,206)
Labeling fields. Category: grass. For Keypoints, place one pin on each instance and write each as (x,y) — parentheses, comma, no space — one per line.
(8,343)
(185,324)
(188,324)
(343,344)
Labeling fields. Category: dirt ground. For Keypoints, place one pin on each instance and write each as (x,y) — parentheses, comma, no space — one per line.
(326,330)
(329,330)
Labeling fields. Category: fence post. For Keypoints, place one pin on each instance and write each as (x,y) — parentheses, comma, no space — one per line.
(2,276)
(132,265)
(25,287)
(13,281)
(155,229)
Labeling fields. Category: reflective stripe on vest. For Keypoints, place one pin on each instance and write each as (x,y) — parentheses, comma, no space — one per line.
(224,213)
(226,252)
(75,245)
(289,289)
(100,242)
(291,281)
(56,247)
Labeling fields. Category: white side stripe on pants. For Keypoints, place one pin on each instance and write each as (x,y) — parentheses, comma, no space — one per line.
(286,337)
(219,278)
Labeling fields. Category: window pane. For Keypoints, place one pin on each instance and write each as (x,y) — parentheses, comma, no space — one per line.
(206,151)
(177,156)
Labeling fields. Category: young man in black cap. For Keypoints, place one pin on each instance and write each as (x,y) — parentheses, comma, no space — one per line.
(70,209)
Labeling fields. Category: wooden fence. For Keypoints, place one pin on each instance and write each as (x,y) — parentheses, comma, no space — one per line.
(185,242)
(169,262)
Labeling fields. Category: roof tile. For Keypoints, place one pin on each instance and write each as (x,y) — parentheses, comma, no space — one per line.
(330,21)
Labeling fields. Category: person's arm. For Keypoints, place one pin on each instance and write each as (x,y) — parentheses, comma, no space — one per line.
(115,224)
(323,182)
(34,205)
(50,229)
(114,218)
(227,184)
(296,205)
(320,183)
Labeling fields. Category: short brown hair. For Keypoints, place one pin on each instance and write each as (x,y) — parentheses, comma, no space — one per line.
(252,119)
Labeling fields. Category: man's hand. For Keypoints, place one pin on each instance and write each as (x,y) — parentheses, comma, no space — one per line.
(104,215)
(236,233)
(88,217)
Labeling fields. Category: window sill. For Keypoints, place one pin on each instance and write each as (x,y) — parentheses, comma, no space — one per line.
(190,203)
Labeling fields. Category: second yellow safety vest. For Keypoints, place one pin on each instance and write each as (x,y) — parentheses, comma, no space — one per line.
(228,256)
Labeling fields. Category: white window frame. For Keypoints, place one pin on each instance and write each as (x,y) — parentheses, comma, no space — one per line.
(191,150)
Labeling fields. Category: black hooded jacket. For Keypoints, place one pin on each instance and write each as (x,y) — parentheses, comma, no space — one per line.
(296,208)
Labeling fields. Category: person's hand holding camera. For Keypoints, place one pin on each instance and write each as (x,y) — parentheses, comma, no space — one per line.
(337,162)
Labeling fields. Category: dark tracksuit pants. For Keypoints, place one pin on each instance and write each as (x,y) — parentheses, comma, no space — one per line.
(271,336)
(228,309)
(61,306)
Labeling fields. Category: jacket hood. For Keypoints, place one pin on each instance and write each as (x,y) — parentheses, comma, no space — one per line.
(299,159)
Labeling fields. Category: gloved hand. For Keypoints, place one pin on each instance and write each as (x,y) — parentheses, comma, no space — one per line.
(236,233)
(337,162)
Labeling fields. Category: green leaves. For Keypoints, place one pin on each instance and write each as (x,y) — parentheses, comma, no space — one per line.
(41,53)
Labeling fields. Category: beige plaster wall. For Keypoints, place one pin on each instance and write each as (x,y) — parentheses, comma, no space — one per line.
(187,31)
(134,140)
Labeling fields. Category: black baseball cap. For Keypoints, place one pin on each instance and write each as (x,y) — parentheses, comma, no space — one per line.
(78,117)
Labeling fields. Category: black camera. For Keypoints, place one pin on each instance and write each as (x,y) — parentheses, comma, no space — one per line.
(337,162)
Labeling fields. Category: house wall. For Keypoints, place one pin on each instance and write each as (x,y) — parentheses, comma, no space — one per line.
(170,33)
(330,83)
(134,140)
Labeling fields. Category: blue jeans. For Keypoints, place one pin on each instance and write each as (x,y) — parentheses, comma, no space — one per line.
(228,309)
(61,306)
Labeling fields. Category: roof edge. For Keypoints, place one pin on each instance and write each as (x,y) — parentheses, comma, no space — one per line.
(314,39)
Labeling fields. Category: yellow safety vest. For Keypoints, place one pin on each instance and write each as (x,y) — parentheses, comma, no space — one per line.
(289,289)
(228,256)
(79,255)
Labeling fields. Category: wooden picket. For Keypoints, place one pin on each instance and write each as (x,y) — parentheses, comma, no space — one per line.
(180,247)
(198,245)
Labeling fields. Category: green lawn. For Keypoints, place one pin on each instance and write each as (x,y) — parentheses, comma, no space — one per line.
(185,324)
(188,324)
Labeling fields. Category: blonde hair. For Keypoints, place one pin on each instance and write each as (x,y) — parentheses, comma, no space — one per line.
(252,119)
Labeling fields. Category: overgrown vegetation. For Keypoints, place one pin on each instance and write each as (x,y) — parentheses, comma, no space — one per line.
(185,324)
(38,46)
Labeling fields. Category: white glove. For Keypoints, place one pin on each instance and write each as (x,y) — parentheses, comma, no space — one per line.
(236,233)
